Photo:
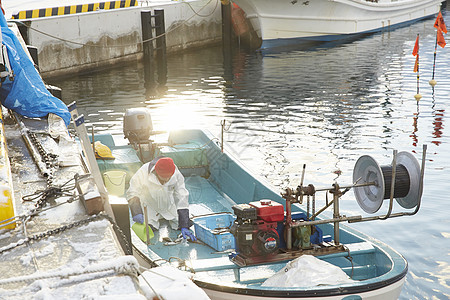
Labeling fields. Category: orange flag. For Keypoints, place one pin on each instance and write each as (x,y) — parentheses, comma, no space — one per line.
(416,64)
(440,38)
(440,24)
(416,47)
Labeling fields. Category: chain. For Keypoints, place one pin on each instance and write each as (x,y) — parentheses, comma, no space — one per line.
(51,232)
(49,159)
(55,231)
(50,193)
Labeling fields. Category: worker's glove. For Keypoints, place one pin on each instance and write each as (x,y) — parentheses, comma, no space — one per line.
(188,234)
(139,218)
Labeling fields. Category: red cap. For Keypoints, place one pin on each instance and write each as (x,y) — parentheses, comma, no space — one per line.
(165,167)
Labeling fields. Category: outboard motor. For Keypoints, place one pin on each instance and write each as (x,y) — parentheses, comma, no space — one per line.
(255,227)
(137,125)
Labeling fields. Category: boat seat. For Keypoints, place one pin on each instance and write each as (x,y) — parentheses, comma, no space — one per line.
(125,158)
(190,157)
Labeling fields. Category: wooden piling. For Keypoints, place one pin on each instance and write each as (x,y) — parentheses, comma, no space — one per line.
(161,58)
(147,48)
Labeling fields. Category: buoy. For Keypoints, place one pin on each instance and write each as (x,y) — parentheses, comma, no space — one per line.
(432,82)
(239,20)
(418,96)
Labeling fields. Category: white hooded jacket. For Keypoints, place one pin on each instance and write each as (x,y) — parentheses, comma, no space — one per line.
(162,200)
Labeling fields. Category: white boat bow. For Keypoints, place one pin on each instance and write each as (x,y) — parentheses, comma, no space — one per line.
(285,22)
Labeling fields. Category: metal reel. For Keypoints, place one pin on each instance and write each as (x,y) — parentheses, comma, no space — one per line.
(370,197)
(412,166)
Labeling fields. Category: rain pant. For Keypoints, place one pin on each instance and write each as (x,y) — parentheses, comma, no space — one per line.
(169,201)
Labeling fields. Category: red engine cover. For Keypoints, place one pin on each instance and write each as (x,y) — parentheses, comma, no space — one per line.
(268,210)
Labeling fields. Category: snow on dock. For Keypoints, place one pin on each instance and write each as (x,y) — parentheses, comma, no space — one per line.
(56,249)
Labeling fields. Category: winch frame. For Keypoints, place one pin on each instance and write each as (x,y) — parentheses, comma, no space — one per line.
(296,196)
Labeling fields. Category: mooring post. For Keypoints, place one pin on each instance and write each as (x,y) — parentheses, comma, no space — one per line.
(161,58)
(147,42)
(147,47)
(226,30)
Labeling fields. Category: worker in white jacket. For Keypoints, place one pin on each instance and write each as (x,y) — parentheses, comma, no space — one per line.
(159,186)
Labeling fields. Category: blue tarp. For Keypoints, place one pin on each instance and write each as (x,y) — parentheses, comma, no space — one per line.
(27,94)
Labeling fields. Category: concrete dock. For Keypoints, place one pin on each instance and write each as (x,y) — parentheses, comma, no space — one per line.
(86,40)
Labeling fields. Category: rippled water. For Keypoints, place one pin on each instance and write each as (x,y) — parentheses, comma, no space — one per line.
(324,107)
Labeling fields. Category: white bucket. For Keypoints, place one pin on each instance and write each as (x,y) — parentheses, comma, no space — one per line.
(115,182)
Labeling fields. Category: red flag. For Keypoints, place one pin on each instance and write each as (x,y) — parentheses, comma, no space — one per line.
(416,47)
(440,38)
(416,64)
(439,23)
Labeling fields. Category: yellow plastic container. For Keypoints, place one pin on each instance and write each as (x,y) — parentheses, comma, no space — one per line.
(6,207)
(115,182)
(6,191)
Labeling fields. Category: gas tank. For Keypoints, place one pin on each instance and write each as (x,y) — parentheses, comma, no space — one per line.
(268,210)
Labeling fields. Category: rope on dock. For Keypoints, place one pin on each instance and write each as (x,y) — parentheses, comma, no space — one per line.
(123,265)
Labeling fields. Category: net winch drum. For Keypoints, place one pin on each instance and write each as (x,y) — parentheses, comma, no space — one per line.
(137,124)
(406,186)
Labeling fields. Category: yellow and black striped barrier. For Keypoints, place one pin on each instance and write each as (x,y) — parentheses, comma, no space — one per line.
(72,9)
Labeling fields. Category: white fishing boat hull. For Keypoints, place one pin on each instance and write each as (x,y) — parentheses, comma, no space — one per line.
(386,293)
(283,22)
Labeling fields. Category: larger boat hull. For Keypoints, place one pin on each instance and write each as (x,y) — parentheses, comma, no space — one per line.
(391,291)
(284,22)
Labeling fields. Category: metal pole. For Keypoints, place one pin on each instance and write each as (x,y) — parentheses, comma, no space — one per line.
(391,198)
(422,173)
(348,186)
(351,219)
(288,225)
(336,214)
(435,50)
(301,183)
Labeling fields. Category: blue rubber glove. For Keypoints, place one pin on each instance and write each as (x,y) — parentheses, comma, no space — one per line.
(188,234)
(139,218)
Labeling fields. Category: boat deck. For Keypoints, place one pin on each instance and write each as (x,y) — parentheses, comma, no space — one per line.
(199,257)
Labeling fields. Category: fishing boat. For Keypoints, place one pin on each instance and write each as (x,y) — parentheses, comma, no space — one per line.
(250,237)
(284,23)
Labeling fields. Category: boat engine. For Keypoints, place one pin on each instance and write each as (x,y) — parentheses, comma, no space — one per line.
(255,227)
(137,125)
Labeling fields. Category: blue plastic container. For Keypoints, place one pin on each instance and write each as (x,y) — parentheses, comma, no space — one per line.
(212,230)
